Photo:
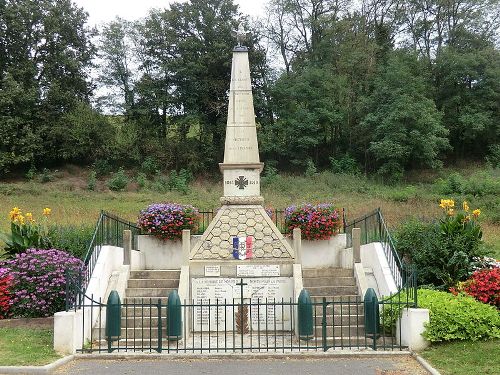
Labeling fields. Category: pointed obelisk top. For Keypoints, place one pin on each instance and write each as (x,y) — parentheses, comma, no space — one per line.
(241,166)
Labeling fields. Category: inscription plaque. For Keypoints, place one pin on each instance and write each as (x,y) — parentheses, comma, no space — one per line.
(257,270)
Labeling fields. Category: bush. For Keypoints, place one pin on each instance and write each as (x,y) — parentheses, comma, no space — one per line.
(270,173)
(25,232)
(345,165)
(118,181)
(150,166)
(311,169)
(167,220)
(180,181)
(141,180)
(102,167)
(493,159)
(46,176)
(319,222)
(160,183)
(452,317)
(92,181)
(5,283)
(479,184)
(73,239)
(484,285)
(38,281)
(443,252)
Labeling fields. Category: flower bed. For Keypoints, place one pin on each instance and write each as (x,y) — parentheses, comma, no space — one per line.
(38,281)
(167,220)
(320,222)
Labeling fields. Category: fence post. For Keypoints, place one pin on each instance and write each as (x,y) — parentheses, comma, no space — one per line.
(127,247)
(297,245)
(356,244)
(186,246)
(372,315)
(113,318)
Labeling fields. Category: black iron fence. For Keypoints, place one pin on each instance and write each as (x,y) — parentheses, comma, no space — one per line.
(254,325)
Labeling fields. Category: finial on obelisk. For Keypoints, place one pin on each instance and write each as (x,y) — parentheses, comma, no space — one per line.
(240,34)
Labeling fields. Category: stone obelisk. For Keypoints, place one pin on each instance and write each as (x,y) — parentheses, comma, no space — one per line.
(242,215)
(241,167)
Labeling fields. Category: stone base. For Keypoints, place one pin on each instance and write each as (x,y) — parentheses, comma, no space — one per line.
(241,221)
(242,200)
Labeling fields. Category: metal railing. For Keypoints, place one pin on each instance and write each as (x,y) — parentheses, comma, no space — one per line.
(108,232)
(256,325)
(374,229)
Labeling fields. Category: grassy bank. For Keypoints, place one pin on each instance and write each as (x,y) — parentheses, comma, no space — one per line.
(24,347)
(465,358)
(72,203)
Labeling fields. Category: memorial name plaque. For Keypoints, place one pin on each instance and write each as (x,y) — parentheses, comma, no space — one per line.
(257,270)
(215,292)
(212,271)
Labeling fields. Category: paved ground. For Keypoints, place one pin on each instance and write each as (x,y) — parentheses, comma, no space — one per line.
(400,365)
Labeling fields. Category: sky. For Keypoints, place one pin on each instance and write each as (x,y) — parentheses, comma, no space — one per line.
(101,11)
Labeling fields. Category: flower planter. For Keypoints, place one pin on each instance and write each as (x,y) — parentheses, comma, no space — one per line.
(162,254)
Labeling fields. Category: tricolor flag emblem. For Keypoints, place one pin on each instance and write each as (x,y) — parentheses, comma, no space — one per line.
(242,247)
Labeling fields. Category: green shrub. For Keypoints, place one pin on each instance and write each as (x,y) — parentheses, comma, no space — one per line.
(102,167)
(30,175)
(493,159)
(443,252)
(270,173)
(46,176)
(345,165)
(92,181)
(160,183)
(141,180)
(479,184)
(180,181)
(150,166)
(118,180)
(311,169)
(452,317)
(74,239)
(403,194)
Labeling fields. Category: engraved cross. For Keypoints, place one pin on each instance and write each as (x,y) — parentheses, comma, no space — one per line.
(241,182)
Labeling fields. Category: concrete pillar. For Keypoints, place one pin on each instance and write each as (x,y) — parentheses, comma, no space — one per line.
(297,245)
(186,245)
(68,331)
(410,327)
(356,244)
(127,247)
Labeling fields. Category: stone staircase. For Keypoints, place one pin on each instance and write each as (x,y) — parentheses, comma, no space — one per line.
(139,308)
(344,312)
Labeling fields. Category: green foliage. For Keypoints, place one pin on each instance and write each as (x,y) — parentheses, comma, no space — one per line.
(443,252)
(452,317)
(102,167)
(46,176)
(118,180)
(160,183)
(31,173)
(345,165)
(311,169)
(493,158)
(25,233)
(141,180)
(479,184)
(74,239)
(150,166)
(180,181)
(92,181)
(406,125)
(270,173)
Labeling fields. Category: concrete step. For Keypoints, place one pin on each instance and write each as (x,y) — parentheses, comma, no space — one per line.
(325,272)
(329,281)
(335,291)
(153,283)
(341,331)
(351,341)
(155,274)
(148,292)
(345,320)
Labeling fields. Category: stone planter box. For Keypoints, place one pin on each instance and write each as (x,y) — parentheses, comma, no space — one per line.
(160,254)
(323,253)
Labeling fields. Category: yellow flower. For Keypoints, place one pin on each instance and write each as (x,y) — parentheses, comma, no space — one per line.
(29,217)
(447,203)
(465,206)
(476,212)
(19,219)
(14,213)
(450,212)
(46,211)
